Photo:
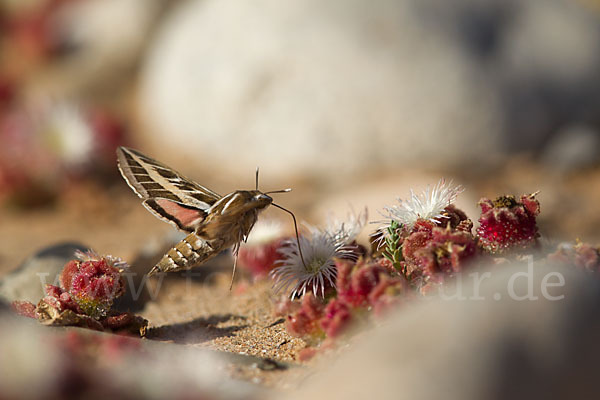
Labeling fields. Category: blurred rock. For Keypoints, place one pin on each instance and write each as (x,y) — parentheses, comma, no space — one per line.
(548,64)
(63,363)
(3,306)
(26,283)
(540,56)
(26,361)
(94,56)
(573,148)
(489,344)
(305,87)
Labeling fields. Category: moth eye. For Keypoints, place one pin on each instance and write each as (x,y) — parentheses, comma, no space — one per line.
(262,196)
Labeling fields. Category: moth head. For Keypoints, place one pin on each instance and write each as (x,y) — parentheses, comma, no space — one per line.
(260,199)
(264,198)
(266,195)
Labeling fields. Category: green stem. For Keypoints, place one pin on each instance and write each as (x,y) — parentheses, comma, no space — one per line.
(393,245)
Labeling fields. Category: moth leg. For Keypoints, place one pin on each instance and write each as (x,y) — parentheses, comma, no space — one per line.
(236,252)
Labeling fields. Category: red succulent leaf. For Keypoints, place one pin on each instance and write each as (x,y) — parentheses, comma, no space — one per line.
(306,354)
(414,243)
(305,321)
(355,283)
(24,308)
(337,318)
(388,293)
(66,277)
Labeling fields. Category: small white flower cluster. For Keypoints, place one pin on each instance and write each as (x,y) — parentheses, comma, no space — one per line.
(429,205)
(345,231)
(316,269)
(321,247)
(66,130)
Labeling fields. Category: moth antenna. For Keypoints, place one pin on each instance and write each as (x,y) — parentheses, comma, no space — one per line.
(296,228)
(256,178)
(280,191)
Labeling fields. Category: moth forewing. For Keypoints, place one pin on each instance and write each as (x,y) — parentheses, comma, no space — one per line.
(151,179)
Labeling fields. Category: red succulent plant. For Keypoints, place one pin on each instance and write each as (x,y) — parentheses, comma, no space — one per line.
(581,255)
(93,283)
(507,223)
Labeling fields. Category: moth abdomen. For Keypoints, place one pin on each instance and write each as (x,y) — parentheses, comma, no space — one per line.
(189,252)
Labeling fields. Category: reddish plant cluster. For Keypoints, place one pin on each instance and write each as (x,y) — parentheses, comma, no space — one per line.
(361,287)
(24,308)
(446,254)
(506,223)
(92,284)
(33,33)
(371,285)
(305,322)
(415,240)
(87,290)
(260,259)
(76,345)
(46,145)
(423,254)
(45,149)
(580,255)
(61,300)
(432,252)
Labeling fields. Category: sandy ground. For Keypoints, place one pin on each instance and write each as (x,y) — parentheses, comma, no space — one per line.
(202,311)
(240,321)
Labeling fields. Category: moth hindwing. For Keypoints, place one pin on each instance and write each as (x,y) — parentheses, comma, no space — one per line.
(214,222)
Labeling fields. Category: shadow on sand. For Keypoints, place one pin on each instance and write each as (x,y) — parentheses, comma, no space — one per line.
(198,330)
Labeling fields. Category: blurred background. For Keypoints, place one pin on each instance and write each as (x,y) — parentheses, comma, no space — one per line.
(350,102)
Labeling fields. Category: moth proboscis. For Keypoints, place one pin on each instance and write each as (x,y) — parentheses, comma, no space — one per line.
(213,222)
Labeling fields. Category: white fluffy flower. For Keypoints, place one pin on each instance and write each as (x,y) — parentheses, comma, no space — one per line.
(319,251)
(429,205)
(265,231)
(345,231)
